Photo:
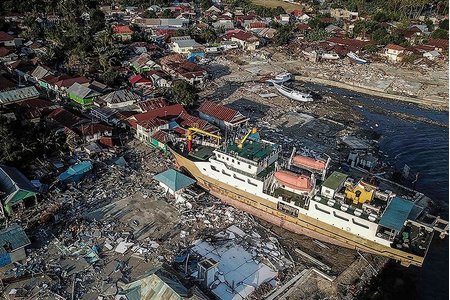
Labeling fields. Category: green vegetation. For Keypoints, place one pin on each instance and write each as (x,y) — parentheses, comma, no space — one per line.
(184,93)
(21,143)
(283,35)
(440,34)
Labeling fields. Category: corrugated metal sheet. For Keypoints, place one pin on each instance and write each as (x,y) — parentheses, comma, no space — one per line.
(28,92)
(396,213)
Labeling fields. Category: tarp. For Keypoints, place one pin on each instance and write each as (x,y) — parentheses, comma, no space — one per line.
(396,213)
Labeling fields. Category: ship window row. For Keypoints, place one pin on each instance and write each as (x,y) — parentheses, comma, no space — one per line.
(322,210)
(359,224)
(340,217)
(249,182)
(234,176)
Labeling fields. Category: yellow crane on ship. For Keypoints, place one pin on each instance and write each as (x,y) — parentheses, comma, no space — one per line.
(192,130)
(241,143)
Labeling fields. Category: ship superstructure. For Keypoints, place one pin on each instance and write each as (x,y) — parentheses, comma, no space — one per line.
(248,173)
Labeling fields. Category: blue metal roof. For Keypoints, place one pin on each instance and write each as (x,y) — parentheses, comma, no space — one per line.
(12,179)
(15,235)
(396,213)
(174,180)
(76,171)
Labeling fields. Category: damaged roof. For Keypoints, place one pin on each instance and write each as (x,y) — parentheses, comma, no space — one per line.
(221,112)
(15,236)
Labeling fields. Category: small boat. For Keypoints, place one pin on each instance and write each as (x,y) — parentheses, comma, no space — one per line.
(280,78)
(293,94)
(356,58)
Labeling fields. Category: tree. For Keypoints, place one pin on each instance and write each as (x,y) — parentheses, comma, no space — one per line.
(283,35)
(443,24)
(97,20)
(440,34)
(184,93)
(205,4)
(166,13)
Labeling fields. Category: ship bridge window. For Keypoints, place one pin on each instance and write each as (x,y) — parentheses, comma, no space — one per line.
(234,176)
(249,182)
(340,217)
(359,224)
(322,210)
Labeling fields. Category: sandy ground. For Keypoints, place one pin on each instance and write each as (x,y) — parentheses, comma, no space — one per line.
(288,7)
(422,84)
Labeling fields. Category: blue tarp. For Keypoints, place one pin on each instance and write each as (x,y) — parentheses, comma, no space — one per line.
(76,172)
(396,213)
(174,180)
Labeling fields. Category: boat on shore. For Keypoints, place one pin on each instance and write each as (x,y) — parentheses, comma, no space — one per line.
(246,173)
(356,58)
(293,94)
(280,78)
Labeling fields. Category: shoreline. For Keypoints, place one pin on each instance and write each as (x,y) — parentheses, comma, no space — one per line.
(426,103)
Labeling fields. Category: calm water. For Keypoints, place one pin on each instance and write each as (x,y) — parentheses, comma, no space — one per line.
(425,149)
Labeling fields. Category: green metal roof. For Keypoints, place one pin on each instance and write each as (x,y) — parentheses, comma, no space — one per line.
(396,213)
(335,180)
(252,150)
(174,179)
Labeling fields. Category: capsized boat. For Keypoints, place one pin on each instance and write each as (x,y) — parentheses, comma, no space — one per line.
(280,78)
(293,94)
(356,58)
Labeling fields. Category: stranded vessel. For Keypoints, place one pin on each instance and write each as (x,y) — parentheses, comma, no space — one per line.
(295,193)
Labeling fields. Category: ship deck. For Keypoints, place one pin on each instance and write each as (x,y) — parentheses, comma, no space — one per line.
(289,196)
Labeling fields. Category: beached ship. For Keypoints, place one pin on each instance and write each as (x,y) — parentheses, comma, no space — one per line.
(247,173)
(280,78)
(293,94)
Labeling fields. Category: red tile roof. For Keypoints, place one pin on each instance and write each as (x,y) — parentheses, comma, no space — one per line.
(5,83)
(240,35)
(138,79)
(258,25)
(186,120)
(4,51)
(220,112)
(394,47)
(167,111)
(5,37)
(352,44)
(297,12)
(69,81)
(65,117)
(438,43)
(153,104)
(161,136)
(122,29)
(152,123)
(91,129)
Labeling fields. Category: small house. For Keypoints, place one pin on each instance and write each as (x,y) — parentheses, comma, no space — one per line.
(222,116)
(7,39)
(15,188)
(184,44)
(432,55)
(246,40)
(394,53)
(82,94)
(173,182)
(117,99)
(13,241)
(76,172)
(122,32)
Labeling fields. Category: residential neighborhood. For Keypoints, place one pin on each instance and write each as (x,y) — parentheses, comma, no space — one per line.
(139,137)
